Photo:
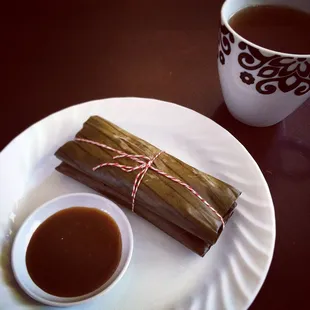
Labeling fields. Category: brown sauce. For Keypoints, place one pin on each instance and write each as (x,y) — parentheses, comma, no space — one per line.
(280,28)
(74,252)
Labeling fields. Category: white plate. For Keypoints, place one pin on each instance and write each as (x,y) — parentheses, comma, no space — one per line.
(163,274)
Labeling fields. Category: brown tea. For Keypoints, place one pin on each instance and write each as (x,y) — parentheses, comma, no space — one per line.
(74,251)
(278,28)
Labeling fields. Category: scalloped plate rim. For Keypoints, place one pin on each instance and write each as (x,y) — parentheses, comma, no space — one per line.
(188,110)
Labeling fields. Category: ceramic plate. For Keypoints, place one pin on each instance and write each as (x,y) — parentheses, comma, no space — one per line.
(163,274)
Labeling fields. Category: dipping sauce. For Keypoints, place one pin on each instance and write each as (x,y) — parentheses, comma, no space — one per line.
(74,251)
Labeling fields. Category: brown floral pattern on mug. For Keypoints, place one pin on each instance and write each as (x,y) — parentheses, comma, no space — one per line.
(247,78)
(276,72)
(226,38)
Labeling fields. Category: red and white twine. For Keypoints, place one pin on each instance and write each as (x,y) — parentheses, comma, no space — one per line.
(145,163)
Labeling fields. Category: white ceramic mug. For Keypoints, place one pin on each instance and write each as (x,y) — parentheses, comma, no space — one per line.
(261,87)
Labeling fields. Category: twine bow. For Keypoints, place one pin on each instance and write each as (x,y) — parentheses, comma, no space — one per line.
(144,164)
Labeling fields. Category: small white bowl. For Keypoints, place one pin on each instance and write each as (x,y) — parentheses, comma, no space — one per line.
(26,231)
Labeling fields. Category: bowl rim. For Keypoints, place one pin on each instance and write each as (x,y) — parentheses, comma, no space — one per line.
(57,301)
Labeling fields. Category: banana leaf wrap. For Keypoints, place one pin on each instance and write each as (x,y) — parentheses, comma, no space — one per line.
(164,203)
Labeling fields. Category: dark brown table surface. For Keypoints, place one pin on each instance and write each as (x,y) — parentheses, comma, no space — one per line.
(55,54)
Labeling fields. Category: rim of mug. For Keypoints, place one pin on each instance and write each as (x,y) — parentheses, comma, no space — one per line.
(267,50)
